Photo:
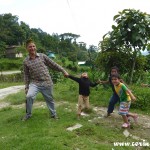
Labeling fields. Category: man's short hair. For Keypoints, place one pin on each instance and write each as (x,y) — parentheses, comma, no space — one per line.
(29,41)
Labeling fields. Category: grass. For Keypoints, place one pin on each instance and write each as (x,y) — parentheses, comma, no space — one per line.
(40,132)
(43,133)
(8,84)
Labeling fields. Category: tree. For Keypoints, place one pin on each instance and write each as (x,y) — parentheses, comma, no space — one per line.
(69,36)
(82,55)
(131,33)
(2,49)
(68,45)
(26,30)
(13,32)
(72,56)
(147,66)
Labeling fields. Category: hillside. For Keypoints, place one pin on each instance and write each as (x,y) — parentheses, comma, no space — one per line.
(96,131)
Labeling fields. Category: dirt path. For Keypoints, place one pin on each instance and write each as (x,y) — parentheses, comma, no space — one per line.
(6,91)
(10,90)
(10,72)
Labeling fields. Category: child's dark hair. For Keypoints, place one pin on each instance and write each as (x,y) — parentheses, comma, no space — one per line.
(115,76)
(114,67)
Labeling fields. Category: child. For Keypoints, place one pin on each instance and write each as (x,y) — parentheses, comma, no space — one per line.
(84,91)
(125,96)
(114,98)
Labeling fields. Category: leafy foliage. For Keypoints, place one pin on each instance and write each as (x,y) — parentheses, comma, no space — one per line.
(12,78)
(130,35)
(143,96)
(10,64)
(15,33)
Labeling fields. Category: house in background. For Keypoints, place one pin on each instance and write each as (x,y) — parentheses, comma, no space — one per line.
(51,54)
(11,52)
(82,63)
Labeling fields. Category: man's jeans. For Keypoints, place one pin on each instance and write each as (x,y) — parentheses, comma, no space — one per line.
(46,92)
(113,100)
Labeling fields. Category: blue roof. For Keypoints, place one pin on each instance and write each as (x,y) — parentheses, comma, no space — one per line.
(51,55)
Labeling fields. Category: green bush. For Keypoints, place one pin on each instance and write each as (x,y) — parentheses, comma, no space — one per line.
(10,64)
(18,77)
(72,67)
(142,98)
(56,76)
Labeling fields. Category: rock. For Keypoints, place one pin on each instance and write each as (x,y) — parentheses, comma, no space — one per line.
(126,133)
(84,114)
(10,90)
(74,127)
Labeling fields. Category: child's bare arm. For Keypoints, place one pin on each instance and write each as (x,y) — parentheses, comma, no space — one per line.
(131,95)
(103,82)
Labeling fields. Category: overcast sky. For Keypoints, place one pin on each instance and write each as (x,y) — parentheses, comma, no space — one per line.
(90,19)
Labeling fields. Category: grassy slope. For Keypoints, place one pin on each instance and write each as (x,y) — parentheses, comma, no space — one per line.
(8,84)
(41,132)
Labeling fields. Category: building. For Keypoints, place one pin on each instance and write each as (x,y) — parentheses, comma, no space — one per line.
(82,63)
(11,52)
(50,54)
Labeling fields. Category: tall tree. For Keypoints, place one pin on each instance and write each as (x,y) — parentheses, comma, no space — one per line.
(26,30)
(131,33)
(2,49)
(69,36)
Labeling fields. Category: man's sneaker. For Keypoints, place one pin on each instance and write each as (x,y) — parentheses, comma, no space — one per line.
(26,117)
(55,117)
(135,118)
(126,125)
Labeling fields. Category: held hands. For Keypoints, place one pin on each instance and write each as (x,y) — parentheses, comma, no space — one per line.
(26,91)
(99,82)
(66,74)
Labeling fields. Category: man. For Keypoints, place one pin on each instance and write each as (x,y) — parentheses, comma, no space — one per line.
(37,78)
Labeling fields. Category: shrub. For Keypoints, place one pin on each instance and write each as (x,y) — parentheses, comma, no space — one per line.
(18,77)
(142,98)
(72,67)
(56,76)
(10,64)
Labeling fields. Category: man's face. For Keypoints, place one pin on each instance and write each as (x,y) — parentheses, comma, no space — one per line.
(31,48)
(115,81)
